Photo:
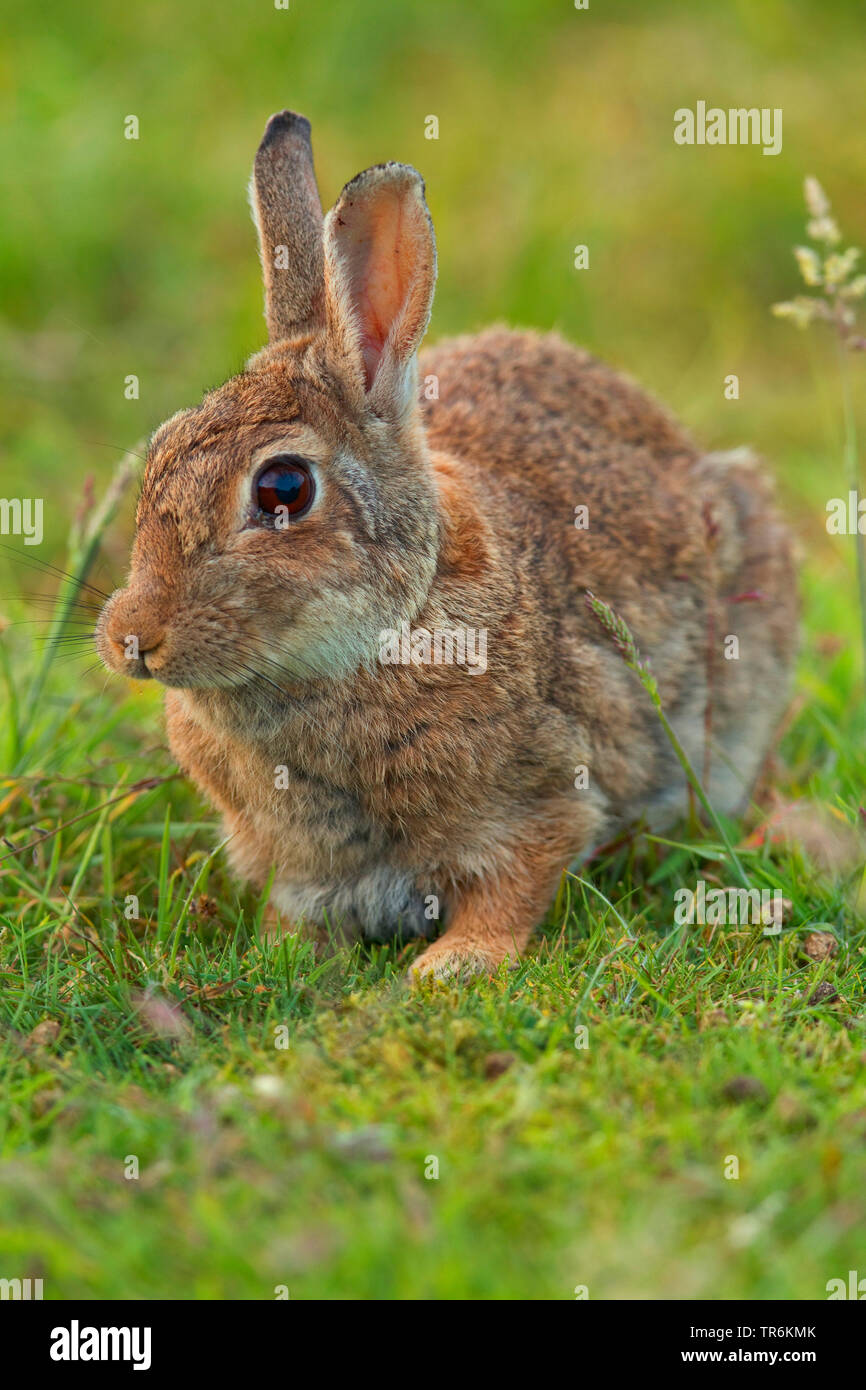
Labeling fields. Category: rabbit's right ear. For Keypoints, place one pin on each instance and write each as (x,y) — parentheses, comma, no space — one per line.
(288,214)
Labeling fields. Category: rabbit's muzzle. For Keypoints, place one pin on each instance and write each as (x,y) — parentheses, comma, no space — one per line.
(200,622)
(131,634)
(143,632)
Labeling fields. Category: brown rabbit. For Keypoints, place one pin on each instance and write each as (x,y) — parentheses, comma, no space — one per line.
(367,600)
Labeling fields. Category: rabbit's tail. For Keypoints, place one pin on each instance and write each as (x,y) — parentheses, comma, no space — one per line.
(755,611)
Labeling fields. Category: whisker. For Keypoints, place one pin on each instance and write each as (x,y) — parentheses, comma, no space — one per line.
(74,651)
(69,657)
(34,562)
(47,622)
(120,448)
(47,600)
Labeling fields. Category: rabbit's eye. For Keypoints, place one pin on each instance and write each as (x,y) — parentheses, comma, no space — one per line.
(285,486)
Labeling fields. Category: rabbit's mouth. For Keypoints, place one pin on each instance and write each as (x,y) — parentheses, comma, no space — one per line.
(134,641)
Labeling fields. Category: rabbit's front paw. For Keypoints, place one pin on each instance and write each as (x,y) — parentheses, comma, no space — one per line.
(455,961)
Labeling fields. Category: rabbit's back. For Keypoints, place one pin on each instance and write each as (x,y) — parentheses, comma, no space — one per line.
(596,487)
(578,467)
(507,393)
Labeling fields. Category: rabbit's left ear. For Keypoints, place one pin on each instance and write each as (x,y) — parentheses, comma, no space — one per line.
(380,271)
(288,216)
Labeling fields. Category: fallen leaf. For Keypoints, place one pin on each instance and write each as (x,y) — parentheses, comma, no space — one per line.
(745,1088)
(821,832)
(823,993)
(497,1063)
(819,945)
(44,1033)
(777,911)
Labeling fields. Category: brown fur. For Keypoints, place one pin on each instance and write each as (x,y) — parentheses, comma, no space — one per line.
(409,783)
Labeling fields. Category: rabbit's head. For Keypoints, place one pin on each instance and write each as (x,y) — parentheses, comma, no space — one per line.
(289,518)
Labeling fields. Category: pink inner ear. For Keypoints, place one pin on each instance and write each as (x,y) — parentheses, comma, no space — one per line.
(373,335)
(381,279)
(383,258)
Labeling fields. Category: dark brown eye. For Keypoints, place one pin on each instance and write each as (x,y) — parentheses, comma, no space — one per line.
(285,487)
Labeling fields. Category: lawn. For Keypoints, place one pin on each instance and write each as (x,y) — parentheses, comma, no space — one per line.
(191,1110)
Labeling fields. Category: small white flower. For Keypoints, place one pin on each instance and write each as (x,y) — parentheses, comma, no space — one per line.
(800,311)
(824,229)
(809,263)
(856,289)
(816,199)
(838,268)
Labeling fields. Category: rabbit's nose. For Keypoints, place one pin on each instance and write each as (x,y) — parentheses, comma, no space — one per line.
(134,629)
(143,642)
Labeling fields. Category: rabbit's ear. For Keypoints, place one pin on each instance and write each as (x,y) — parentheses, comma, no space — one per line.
(380,270)
(288,215)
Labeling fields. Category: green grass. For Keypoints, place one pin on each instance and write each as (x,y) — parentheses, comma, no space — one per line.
(262,1165)
(304,1166)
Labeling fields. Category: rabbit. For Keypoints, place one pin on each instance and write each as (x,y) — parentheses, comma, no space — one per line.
(300,531)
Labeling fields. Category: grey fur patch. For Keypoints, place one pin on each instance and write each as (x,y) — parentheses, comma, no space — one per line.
(380,905)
